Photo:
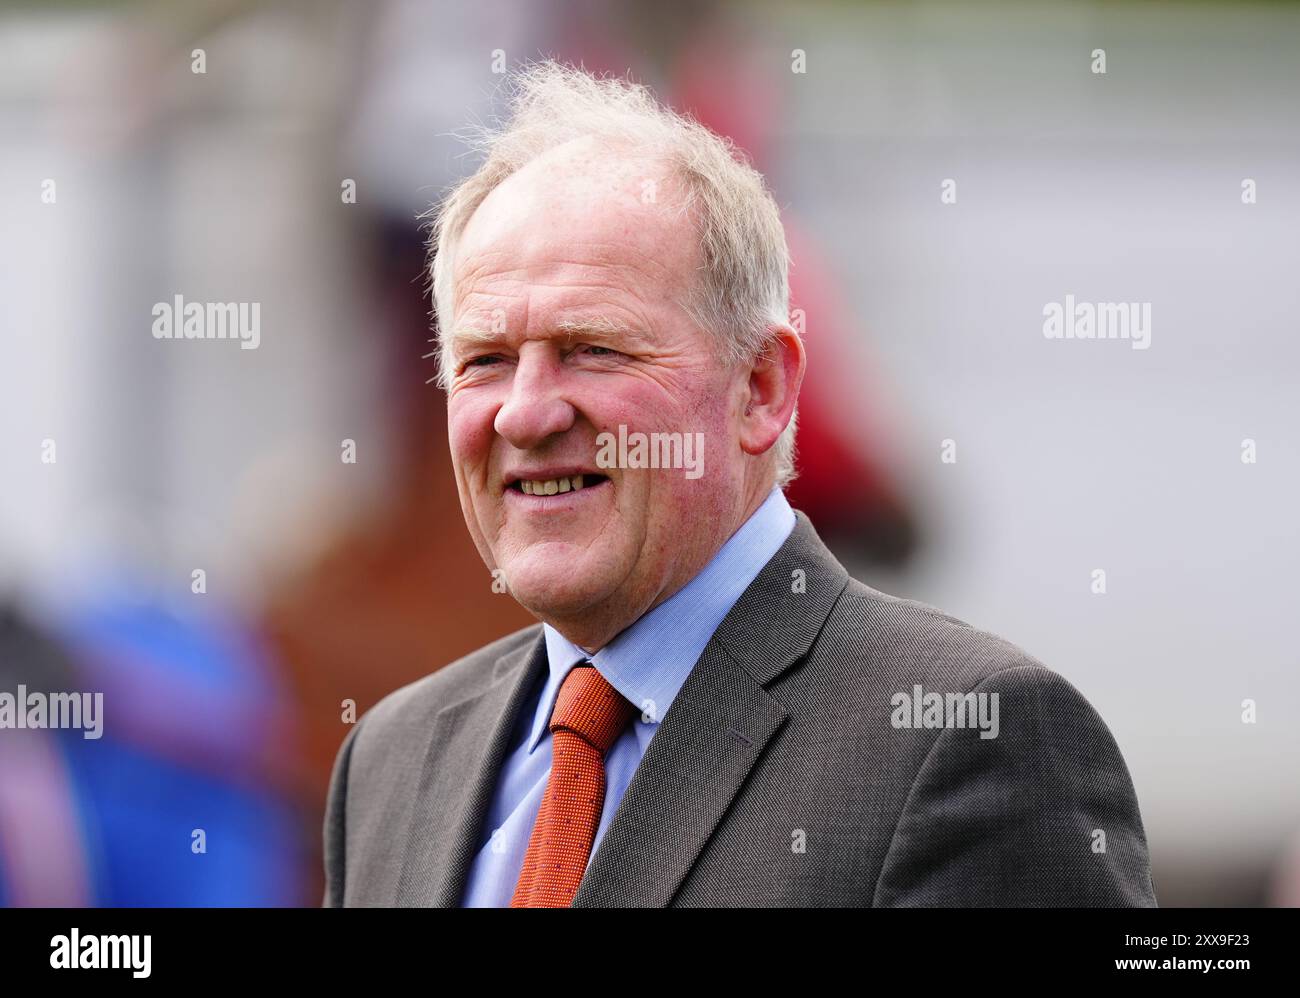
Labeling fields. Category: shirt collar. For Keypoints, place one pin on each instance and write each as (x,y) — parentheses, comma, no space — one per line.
(649,661)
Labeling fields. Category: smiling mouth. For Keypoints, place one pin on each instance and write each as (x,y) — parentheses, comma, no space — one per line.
(555,486)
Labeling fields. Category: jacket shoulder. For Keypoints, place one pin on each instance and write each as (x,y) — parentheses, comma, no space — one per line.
(917,642)
(1006,811)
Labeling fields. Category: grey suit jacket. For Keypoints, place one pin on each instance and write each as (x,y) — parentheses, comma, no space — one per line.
(777,776)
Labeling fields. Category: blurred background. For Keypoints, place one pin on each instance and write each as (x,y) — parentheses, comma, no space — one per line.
(128,463)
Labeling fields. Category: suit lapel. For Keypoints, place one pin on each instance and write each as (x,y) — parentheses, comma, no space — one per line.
(715,730)
(706,745)
(468,741)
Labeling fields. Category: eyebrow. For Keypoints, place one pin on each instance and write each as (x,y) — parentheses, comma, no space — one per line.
(469,337)
(600,324)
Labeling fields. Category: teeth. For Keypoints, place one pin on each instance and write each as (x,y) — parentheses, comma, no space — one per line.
(551,486)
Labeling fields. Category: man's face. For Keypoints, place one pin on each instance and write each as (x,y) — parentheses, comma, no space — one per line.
(565,325)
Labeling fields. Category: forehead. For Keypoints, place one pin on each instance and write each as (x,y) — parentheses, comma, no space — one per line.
(581,215)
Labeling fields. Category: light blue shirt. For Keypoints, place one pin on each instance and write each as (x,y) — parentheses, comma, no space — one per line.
(647,663)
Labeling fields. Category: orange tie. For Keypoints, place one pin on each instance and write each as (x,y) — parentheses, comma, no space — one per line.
(589,716)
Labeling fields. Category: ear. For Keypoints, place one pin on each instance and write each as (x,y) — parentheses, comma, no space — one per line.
(772,390)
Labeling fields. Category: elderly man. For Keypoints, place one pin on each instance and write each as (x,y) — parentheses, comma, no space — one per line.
(710,711)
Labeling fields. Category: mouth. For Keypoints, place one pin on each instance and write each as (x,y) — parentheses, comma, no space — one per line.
(555,485)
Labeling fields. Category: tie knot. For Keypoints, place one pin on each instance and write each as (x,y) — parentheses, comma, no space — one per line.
(591,708)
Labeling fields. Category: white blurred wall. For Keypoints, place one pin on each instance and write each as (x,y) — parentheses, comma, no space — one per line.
(1077,455)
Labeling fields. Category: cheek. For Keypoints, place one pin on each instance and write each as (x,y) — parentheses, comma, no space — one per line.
(469,430)
(607,406)
(711,411)
(694,401)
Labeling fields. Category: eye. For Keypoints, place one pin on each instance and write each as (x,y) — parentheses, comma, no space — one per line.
(599,351)
(483,361)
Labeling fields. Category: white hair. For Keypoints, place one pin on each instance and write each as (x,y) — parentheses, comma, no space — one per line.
(743,288)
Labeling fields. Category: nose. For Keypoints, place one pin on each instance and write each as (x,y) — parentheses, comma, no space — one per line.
(535,408)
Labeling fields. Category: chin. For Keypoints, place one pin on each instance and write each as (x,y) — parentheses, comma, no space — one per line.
(557,582)
(553,598)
